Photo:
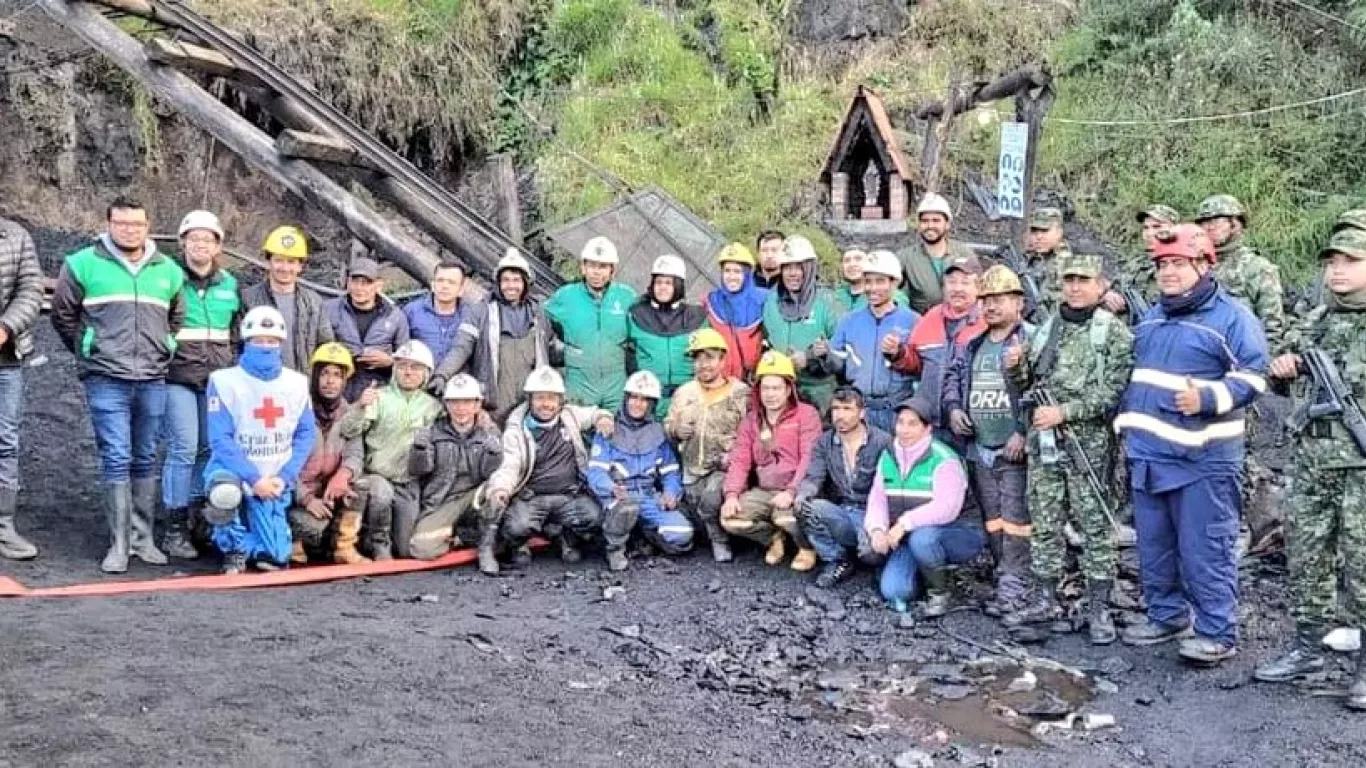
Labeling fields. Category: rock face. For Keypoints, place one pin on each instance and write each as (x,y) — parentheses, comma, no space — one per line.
(826,21)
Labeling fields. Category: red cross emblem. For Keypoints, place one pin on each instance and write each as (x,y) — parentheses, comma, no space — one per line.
(268,413)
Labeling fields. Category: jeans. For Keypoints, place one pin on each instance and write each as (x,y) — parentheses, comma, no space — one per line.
(187,447)
(927,549)
(11,406)
(127,418)
(834,530)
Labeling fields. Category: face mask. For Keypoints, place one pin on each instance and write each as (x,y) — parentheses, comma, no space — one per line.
(261,361)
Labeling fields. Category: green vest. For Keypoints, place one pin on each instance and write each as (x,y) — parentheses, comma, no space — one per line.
(209,313)
(916,487)
(664,356)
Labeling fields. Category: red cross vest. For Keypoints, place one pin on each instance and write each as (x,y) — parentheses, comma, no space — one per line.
(264,413)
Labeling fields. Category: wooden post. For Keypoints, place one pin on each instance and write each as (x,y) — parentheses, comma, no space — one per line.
(932,170)
(505,193)
(1031,108)
(235,132)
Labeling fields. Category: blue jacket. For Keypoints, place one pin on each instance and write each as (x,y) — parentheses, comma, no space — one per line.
(437,331)
(388,332)
(642,473)
(856,354)
(1221,347)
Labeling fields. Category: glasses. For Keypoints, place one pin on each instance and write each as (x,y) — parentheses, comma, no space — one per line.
(201,240)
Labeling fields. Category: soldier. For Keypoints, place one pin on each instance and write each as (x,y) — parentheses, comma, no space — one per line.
(1255,281)
(1137,274)
(928,257)
(983,407)
(704,417)
(1075,372)
(1046,245)
(1327,514)
(1199,360)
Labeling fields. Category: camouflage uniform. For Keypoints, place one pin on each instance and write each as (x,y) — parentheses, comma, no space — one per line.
(1043,267)
(1092,368)
(1137,271)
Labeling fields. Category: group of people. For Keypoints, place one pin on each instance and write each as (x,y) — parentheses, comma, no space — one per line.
(935,407)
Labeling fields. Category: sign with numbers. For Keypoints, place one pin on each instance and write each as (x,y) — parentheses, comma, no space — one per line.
(1010,191)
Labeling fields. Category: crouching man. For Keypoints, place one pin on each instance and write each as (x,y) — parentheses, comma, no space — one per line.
(704,416)
(261,429)
(540,486)
(326,501)
(834,493)
(452,461)
(914,513)
(386,422)
(635,475)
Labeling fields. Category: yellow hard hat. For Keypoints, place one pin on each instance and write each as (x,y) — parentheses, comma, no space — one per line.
(999,279)
(736,253)
(333,353)
(775,364)
(704,339)
(289,242)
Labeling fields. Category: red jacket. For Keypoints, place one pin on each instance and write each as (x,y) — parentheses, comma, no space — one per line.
(927,353)
(779,463)
(744,345)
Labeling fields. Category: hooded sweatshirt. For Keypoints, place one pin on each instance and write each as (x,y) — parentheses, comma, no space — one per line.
(659,333)
(329,450)
(737,316)
(777,454)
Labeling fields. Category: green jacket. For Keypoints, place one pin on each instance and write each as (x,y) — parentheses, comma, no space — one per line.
(788,337)
(1324,446)
(659,341)
(208,340)
(925,273)
(388,428)
(116,323)
(1254,280)
(594,332)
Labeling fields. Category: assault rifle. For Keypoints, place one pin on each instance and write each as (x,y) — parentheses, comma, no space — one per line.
(1018,265)
(1329,398)
(1137,304)
(1079,459)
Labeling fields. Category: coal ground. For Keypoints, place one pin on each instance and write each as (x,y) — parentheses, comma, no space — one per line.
(671,663)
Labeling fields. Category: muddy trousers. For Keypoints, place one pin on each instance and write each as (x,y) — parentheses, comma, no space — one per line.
(390,515)
(927,549)
(434,533)
(702,500)
(576,514)
(312,532)
(1187,552)
(835,530)
(758,520)
(668,529)
(1001,490)
(261,529)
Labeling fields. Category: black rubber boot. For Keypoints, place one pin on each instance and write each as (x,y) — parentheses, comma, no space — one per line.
(1041,608)
(1356,695)
(118,513)
(176,542)
(569,551)
(833,573)
(1100,625)
(488,542)
(1304,657)
(720,542)
(938,596)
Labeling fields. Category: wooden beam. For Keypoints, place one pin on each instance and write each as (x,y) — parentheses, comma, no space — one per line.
(505,192)
(302,145)
(239,135)
(194,57)
(1023,79)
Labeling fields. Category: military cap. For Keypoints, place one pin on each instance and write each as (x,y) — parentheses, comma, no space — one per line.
(1163,213)
(1351,242)
(1217,206)
(1082,265)
(1353,219)
(1045,218)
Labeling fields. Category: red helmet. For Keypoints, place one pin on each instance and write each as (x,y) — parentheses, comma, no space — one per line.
(1184,240)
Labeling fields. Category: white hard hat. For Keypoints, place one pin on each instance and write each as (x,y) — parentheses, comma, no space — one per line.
(544,379)
(263,322)
(514,259)
(200,220)
(796,250)
(934,203)
(415,351)
(599,249)
(463,386)
(670,265)
(644,384)
(882,263)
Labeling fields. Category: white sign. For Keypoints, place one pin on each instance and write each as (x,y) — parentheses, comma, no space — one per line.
(1010,191)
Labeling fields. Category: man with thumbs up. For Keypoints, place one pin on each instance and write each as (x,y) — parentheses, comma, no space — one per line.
(1200,360)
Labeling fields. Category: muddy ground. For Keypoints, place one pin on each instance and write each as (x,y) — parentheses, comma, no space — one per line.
(688,662)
